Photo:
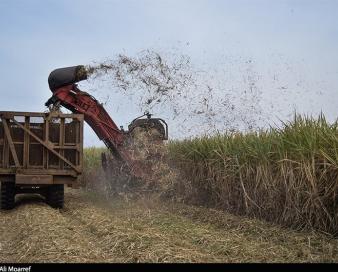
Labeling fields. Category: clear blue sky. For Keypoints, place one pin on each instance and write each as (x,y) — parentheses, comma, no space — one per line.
(296,41)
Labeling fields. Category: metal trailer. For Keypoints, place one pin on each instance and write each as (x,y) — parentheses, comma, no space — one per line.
(39,153)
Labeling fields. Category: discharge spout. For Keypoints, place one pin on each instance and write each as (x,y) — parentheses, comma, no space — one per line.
(66,76)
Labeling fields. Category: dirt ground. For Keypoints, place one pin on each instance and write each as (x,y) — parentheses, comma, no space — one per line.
(90,229)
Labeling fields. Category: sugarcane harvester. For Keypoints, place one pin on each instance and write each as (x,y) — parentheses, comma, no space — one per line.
(62,83)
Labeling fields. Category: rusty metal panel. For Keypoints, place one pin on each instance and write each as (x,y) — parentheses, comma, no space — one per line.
(33,179)
(1,144)
(64,180)
(46,115)
(1,154)
(42,144)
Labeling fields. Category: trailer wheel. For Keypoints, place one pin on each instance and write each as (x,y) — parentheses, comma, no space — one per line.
(55,196)
(7,195)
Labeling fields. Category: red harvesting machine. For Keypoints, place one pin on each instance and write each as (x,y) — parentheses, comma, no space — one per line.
(62,83)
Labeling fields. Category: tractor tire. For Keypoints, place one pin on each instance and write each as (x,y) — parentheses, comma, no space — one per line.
(7,195)
(55,196)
